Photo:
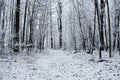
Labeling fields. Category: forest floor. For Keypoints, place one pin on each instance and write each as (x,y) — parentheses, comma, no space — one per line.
(59,65)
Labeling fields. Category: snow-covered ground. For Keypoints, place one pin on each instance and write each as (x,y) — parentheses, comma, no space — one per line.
(58,65)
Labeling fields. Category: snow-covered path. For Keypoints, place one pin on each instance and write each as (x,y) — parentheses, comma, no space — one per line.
(58,65)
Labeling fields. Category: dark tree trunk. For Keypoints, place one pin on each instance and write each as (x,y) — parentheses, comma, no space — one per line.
(102,23)
(94,29)
(60,23)
(60,37)
(17,23)
(2,20)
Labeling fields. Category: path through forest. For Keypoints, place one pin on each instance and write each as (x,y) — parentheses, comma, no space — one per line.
(57,65)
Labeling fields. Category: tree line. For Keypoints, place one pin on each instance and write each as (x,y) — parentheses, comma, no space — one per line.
(34,25)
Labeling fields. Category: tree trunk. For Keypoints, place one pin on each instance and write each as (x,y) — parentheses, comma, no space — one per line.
(94,29)
(109,28)
(51,24)
(99,26)
(24,21)
(102,23)
(17,23)
(31,36)
(60,23)
(106,38)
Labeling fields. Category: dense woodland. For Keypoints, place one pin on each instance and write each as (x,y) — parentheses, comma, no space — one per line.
(35,25)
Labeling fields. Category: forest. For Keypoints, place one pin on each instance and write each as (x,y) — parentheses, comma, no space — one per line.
(38,35)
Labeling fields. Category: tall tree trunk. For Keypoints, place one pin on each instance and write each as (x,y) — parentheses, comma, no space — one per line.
(17,23)
(51,30)
(31,36)
(99,25)
(94,28)
(2,21)
(3,26)
(118,32)
(102,23)
(60,23)
(109,28)
(12,25)
(23,39)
